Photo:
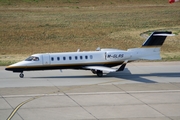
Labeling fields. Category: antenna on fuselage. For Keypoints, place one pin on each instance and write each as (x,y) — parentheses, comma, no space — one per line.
(98,49)
(78,50)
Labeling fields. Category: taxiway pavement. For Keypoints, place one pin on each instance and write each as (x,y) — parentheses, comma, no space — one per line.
(144,91)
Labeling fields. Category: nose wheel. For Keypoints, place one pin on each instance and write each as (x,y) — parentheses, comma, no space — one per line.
(21,75)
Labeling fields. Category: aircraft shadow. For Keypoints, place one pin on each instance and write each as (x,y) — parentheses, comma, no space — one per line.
(126,74)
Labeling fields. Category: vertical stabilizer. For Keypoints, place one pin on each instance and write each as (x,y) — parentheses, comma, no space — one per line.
(156,38)
(150,49)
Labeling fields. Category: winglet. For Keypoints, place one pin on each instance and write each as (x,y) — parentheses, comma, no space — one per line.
(121,68)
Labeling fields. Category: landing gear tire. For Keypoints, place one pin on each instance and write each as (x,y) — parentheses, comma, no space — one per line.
(94,71)
(21,75)
(99,73)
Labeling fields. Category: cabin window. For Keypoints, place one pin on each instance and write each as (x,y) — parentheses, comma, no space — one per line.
(70,58)
(52,59)
(64,58)
(86,57)
(81,57)
(58,58)
(91,57)
(76,57)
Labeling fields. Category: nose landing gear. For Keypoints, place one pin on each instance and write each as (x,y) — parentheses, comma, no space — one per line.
(21,75)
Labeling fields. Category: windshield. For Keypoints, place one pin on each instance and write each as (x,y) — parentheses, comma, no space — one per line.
(32,58)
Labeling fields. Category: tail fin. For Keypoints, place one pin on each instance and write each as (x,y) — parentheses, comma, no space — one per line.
(156,38)
(150,49)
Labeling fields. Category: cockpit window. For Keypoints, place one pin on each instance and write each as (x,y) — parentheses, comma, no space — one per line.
(32,58)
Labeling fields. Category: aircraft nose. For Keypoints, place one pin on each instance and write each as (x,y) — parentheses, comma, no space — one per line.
(8,69)
(14,69)
(17,67)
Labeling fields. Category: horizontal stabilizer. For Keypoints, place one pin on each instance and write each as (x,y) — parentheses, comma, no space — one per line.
(163,34)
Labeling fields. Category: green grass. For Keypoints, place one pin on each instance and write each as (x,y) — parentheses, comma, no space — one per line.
(6,60)
(36,26)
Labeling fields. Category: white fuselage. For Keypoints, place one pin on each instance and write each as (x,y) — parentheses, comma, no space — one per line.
(73,60)
(77,60)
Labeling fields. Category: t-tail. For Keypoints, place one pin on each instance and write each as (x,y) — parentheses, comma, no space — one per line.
(150,49)
(156,39)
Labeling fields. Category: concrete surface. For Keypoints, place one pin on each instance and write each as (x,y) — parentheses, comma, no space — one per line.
(144,91)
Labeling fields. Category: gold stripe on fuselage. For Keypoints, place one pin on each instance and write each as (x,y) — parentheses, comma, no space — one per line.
(67,65)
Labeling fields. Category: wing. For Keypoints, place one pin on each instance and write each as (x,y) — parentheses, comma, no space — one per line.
(108,69)
(101,68)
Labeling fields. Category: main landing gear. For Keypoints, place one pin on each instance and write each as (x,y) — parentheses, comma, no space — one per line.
(99,73)
(21,75)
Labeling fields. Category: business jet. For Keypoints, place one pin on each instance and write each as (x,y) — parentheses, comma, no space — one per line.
(99,61)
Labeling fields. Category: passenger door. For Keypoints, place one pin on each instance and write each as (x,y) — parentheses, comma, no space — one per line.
(46,59)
